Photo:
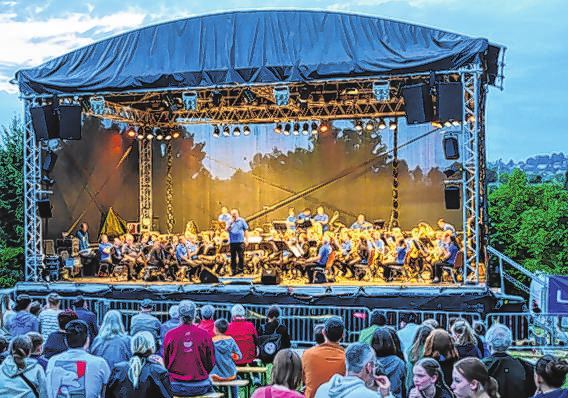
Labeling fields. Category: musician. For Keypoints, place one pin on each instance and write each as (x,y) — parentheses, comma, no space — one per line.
(291,220)
(105,249)
(322,218)
(131,257)
(446,226)
(159,258)
(83,237)
(318,261)
(378,242)
(225,216)
(144,242)
(306,214)
(450,253)
(361,223)
(192,250)
(238,239)
(116,251)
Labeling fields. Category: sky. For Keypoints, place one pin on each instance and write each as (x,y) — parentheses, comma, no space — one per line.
(525,119)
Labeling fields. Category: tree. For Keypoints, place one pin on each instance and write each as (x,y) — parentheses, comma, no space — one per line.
(12,204)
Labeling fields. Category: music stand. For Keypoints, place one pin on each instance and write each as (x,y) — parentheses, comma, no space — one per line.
(224,249)
(379,224)
(303,224)
(218,225)
(280,226)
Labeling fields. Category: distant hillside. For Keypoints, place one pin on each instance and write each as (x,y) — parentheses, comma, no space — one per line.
(544,165)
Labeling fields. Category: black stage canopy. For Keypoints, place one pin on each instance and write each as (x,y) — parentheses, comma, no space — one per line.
(257,47)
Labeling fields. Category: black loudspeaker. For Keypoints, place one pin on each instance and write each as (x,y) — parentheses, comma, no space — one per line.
(451,148)
(45,122)
(208,276)
(450,101)
(270,276)
(49,162)
(418,104)
(452,197)
(44,208)
(70,122)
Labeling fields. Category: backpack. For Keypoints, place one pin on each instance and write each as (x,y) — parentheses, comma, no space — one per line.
(269,345)
(514,376)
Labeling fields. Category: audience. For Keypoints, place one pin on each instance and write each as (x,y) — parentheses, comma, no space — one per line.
(428,380)
(207,322)
(146,322)
(275,326)
(549,376)
(3,348)
(408,329)
(37,348)
(321,362)
(143,375)
(471,380)
(440,346)
(112,343)
(318,334)
(395,368)
(244,334)
(479,332)
(361,380)
(55,343)
(75,372)
(35,308)
(285,377)
(173,322)
(22,321)
(48,322)
(89,317)
(189,355)
(466,343)
(377,320)
(21,376)
(416,350)
(226,353)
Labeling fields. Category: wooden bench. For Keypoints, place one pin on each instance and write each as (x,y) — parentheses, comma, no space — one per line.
(262,370)
(225,386)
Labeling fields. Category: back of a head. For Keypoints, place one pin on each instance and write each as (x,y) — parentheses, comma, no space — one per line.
(383,343)
(35,308)
(552,370)
(36,339)
(357,356)
(273,312)
(3,344)
(112,325)
(334,328)
(20,349)
(471,369)
(63,318)
(479,328)
(142,345)
(432,323)
(222,325)
(22,302)
(207,311)
(174,311)
(499,337)
(440,343)
(238,311)
(464,332)
(54,299)
(287,369)
(79,302)
(76,333)
(419,341)
(408,317)
(187,311)
(378,318)
(318,334)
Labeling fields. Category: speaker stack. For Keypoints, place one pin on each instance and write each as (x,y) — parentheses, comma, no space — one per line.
(63,122)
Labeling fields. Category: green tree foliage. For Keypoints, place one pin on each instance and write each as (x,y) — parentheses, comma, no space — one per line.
(11,204)
(529,223)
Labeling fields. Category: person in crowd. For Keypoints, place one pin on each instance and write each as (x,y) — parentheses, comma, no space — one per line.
(471,380)
(323,361)
(37,348)
(318,261)
(550,376)
(3,348)
(416,351)
(515,376)
(48,322)
(285,377)
(446,226)
(306,214)
(173,322)
(431,322)
(361,380)
(76,372)
(20,376)
(397,345)
(189,355)
(226,353)
(55,343)
(479,332)
(80,306)
(145,321)
(449,250)
(466,343)
(207,322)
(225,216)
(143,375)
(291,219)
(408,329)
(112,343)
(428,380)
(440,346)
(319,338)
(275,326)
(361,223)
(22,322)
(244,334)
(35,309)
(395,368)
(6,312)
(377,320)
(322,218)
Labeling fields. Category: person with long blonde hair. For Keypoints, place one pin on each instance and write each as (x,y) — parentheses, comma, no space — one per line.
(112,343)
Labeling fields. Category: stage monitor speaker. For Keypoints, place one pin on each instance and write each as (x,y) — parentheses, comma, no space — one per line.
(49,248)
(418,103)
(208,276)
(451,148)
(70,122)
(45,122)
(452,197)
(49,162)
(270,276)
(44,208)
(450,101)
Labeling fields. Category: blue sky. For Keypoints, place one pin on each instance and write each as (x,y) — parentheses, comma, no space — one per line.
(523,120)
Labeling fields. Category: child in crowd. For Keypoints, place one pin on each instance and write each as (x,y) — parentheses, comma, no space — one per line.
(226,353)
(37,348)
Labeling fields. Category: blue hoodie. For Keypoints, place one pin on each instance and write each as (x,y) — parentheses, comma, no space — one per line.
(560,393)
(225,366)
(21,323)
(346,387)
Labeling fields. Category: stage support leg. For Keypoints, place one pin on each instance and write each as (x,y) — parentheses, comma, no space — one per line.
(145,184)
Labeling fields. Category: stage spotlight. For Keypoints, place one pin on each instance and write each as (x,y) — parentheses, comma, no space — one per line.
(278,128)
(236,131)
(216,131)
(305,130)
(175,134)
(381,90)
(324,127)
(287,129)
(392,125)
(130,132)
(314,127)
(97,105)
(296,130)
(437,124)
(455,123)
(168,135)
(226,131)
(370,125)
(159,134)
(382,124)
(249,97)
(216,98)
(471,118)
(140,135)
(189,99)
(359,125)
(149,136)
(281,95)
(447,123)
(246,130)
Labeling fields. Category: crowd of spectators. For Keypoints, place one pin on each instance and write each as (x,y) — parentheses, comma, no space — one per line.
(64,353)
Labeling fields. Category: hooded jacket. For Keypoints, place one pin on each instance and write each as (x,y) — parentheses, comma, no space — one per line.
(13,385)
(395,369)
(225,366)
(346,387)
(21,323)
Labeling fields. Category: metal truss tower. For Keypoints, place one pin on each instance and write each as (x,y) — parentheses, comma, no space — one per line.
(145,184)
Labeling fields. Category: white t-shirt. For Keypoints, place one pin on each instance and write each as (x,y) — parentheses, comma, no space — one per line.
(48,322)
(75,372)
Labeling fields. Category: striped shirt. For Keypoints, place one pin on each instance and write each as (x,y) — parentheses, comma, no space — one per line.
(48,322)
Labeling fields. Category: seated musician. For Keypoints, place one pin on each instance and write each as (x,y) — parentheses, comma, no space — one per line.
(418,253)
(400,252)
(105,248)
(116,251)
(306,214)
(225,216)
(186,254)
(132,257)
(446,226)
(144,243)
(159,259)
(450,250)
(322,218)
(291,219)
(361,223)
(378,243)
(318,261)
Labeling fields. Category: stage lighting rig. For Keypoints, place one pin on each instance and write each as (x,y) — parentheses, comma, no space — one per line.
(381,90)
(392,125)
(175,134)
(370,125)
(324,127)
(305,130)
(249,97)
(314,128)
(159,134)
(296,130)
(287,129)
(226,131)
(359,125)
(281,95)
(97,105)
(236,131)
(216,131)
(382,124)
(189,100)
(278,128)
(130,132)
(246,130)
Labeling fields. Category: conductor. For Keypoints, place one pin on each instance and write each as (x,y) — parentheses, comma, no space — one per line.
(238,239)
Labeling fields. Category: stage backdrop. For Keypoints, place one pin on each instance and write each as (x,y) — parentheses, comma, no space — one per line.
(344,170)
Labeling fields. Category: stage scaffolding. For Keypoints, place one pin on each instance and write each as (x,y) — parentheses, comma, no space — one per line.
(472,153)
